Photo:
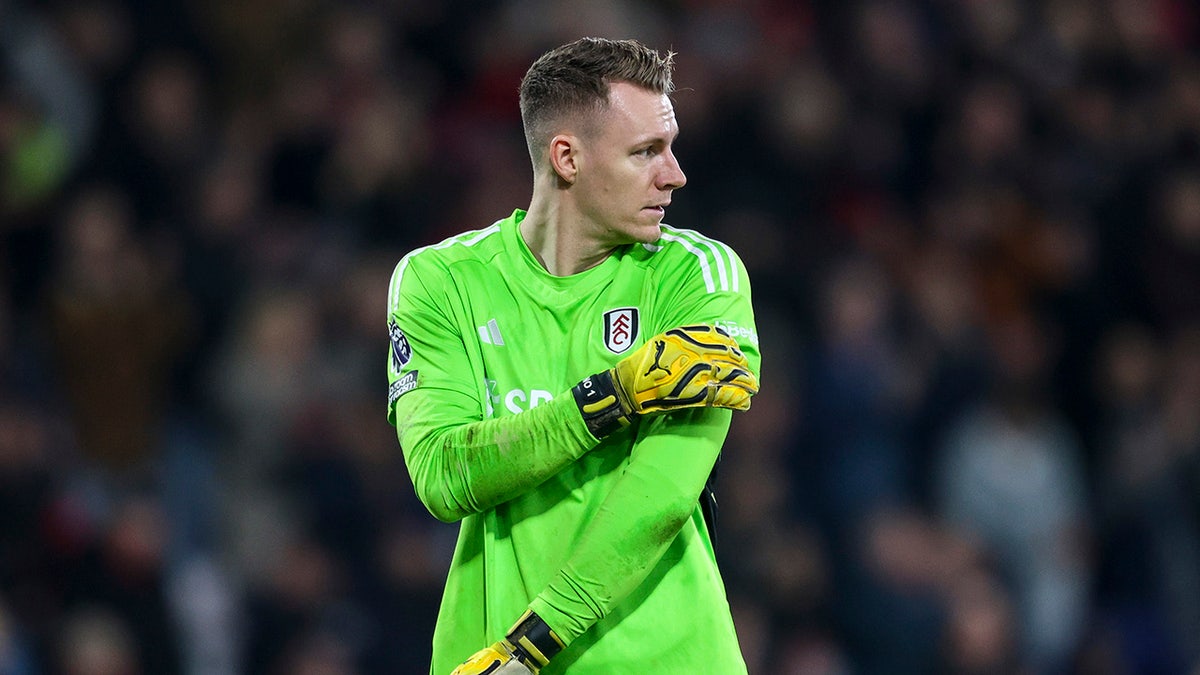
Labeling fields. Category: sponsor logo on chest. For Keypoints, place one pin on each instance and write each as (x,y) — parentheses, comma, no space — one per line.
(620,329)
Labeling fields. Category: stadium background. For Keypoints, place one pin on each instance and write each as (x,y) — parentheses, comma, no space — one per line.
(973,229)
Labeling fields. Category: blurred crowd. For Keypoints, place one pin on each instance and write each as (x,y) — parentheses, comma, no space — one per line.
(973,230)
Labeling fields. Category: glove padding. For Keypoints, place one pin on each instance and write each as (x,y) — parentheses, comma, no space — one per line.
(499,659)
(685,367)
(525,650)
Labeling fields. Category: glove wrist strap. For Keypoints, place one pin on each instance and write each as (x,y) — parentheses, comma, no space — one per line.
(534,637)
(600,404)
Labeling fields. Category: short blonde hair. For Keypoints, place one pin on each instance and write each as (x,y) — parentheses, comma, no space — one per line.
(574,79)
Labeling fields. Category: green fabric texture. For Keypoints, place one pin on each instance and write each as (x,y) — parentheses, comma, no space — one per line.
(603,539)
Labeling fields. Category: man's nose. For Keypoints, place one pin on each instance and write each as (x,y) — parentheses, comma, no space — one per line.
(673,177)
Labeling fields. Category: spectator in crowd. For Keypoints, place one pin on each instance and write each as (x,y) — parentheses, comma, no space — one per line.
(1011,476)
(117,323)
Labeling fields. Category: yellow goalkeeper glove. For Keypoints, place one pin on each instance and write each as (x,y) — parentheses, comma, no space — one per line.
(526,649)
(685,367)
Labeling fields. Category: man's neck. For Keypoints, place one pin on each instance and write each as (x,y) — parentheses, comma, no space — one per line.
(556,237)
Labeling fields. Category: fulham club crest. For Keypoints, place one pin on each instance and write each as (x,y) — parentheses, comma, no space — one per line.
(620,328)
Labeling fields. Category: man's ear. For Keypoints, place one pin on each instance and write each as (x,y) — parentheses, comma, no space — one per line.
(564,157)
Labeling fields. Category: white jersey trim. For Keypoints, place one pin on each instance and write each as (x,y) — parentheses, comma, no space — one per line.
(704,267)
(707,251)
(466,239)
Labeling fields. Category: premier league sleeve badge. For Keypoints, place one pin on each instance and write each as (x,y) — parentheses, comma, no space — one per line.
(401,350)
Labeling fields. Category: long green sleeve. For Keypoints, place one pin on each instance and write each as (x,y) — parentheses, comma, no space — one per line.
(459,469)
(642,514)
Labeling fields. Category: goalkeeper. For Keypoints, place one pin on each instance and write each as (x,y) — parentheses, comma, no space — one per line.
(561,383)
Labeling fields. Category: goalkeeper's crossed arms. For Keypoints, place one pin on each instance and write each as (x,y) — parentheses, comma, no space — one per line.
(687,367)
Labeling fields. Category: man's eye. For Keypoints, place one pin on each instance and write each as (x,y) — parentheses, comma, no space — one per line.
(645,152)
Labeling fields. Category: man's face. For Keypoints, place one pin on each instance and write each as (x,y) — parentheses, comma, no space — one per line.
(627,170)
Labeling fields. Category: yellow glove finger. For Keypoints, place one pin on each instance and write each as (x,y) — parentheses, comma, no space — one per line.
(483,661)
(732,389)
(487,661)
(736,374)
(703,340)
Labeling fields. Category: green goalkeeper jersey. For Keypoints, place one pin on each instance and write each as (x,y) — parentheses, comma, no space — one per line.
(605,540)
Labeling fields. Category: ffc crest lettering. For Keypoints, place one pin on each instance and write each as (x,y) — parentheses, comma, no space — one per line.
(401,350)
(620,329)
